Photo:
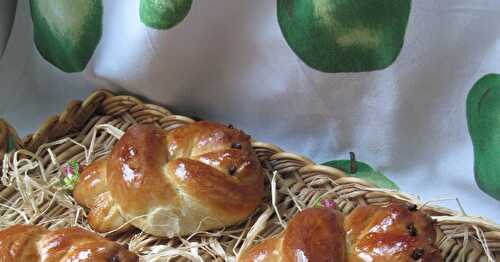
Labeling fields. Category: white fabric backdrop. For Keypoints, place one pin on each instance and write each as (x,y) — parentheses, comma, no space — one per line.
(228,61)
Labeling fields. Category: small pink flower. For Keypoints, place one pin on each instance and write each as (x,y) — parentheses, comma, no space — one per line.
(328,203)
(71,174)
(72,169)
(68,170)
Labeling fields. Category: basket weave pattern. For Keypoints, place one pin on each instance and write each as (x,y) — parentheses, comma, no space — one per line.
(294,183)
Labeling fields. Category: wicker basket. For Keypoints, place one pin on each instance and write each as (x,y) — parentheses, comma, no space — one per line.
(31,192)
(9,140)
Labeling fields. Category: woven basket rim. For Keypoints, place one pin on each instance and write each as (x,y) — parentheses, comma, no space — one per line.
(79,112)
(7,132)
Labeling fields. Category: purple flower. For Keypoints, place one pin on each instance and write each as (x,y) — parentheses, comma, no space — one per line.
(328,203)
(68,170)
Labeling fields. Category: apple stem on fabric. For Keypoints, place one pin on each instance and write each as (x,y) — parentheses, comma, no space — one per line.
(354,166)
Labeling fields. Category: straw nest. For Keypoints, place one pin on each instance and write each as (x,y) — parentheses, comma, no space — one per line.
(31,190)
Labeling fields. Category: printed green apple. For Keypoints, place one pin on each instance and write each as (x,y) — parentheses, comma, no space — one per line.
(483,119)
(164,14)
(345,35)
(363,171)
(66,33)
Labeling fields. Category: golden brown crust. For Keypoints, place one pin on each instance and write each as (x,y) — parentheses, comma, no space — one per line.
(92,183)
(374,233)
(268,251)
(316,234)
(135,171)
(199,176)
(18,243)
(25,243)
(70,244)
(204,137)
(231,195)
(92,192)
(391,233)
(105,215)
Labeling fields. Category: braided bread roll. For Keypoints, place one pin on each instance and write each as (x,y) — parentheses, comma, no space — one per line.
(368,233)
(315,234)
(197,177)
(396,232)
(28,243)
